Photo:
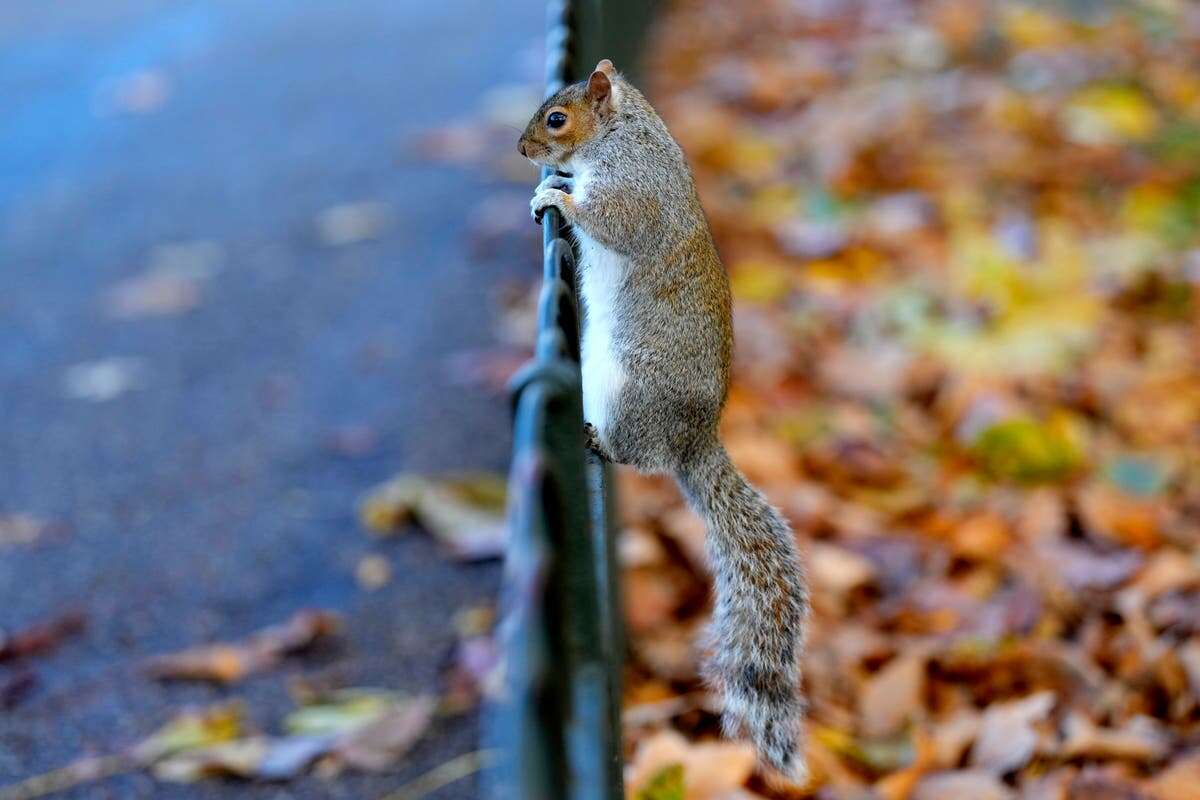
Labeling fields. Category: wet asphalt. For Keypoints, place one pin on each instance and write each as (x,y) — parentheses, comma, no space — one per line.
(215,493)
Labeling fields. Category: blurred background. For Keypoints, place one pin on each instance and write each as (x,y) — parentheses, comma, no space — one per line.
(245,277)
(267,269)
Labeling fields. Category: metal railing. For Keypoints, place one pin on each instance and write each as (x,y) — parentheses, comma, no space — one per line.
(558,725)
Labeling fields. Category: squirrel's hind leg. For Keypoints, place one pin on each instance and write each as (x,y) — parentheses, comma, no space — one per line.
(591,440)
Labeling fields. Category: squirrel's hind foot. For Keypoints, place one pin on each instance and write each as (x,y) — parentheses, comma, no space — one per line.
(591,440)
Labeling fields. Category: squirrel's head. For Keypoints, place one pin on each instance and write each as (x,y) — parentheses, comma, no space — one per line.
(575,115)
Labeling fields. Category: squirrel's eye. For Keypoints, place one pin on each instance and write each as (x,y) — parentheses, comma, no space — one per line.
(556,120)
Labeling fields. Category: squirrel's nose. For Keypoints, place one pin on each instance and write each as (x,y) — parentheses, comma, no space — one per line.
(521,148)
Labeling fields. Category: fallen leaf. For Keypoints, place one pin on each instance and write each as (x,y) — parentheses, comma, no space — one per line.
(259,757)
(351,223)
(40,638)
(1167,571)
(877,756)
(951,737)
(152,294)
(710,770)
(230,663)
(444,774)
(893,696)
(465,512)
(380,743)
(1080,567)
(141,92)
(21,529)
(900,785)
(363,729)
(1110,514)
(15,687)
(651,598)
(1007,737)
(666,784)
(191,730)
(1179,781)
(1028,450)
(103,380)
(340,711)
(838,570)
(1103,783)
(1143,477)
(1109,114)
(1140,739)
(962,785)
(373,572)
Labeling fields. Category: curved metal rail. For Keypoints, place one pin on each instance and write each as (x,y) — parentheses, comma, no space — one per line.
(558,725)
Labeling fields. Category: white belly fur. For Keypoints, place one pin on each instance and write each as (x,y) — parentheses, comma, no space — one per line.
(601,271)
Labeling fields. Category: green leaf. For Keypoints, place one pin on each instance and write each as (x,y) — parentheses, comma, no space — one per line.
(1029,451)
(341,711)
(667,784)
(191,731)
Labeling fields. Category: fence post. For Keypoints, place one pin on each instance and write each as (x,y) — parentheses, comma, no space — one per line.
(558,724)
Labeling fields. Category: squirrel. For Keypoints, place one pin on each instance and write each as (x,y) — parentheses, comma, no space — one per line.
(656,349)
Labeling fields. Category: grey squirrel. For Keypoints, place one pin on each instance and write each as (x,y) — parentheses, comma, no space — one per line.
(656,350)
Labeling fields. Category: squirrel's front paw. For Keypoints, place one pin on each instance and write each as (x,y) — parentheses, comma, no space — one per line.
(548,198)
(554,181)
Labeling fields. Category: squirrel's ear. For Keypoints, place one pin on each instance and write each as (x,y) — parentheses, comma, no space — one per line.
(606,67)
(599,89)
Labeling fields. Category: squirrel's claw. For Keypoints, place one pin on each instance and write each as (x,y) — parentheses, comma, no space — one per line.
(548,198)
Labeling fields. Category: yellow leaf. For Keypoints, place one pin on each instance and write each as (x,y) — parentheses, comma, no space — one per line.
(759,281)
(1110,114)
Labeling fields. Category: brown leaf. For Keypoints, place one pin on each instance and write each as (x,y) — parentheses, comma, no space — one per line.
(893,696)
(1103,783)
(1167,571)
(711,770)
(686,529)
(962,785)
(982,537)
(379,744)
(1053,786)
(1141,739)
(465,511)
(670,652)
(951,737)
(651,597)
(838,570)
(900,785)
(229,663)
(1043,515)
(1179,781)
(21,529)
(1081,567)
(1109,513)
(42,637)
(1007,738)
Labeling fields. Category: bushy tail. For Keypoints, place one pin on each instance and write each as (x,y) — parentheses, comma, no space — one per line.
(761,608)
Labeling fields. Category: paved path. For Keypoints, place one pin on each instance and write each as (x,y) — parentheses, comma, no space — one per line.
(206,502)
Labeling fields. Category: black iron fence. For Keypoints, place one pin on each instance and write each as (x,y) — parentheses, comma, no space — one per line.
(558,725)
